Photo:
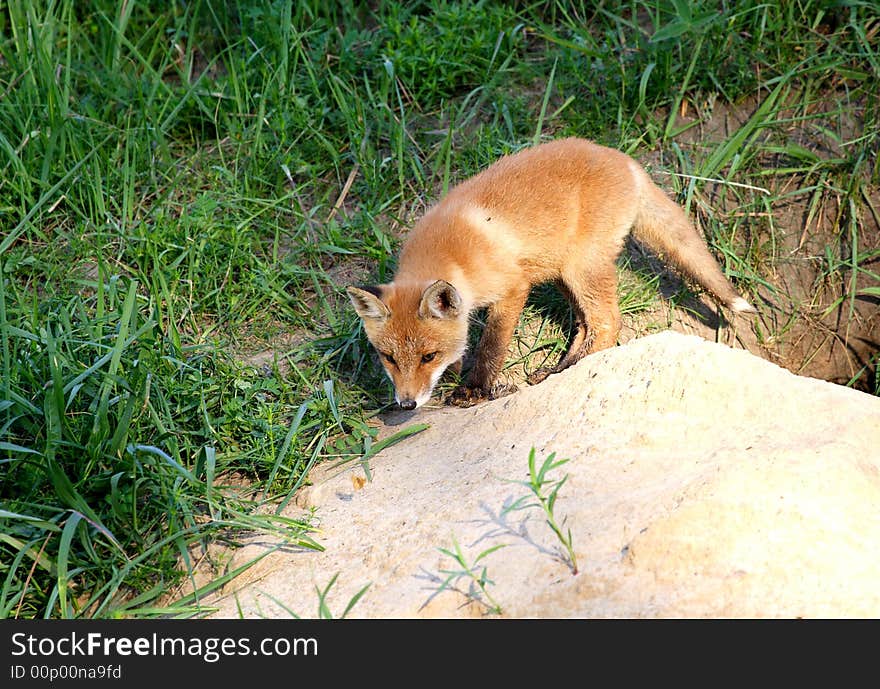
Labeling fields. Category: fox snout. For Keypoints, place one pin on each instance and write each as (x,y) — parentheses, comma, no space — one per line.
(414,383)
(408,401)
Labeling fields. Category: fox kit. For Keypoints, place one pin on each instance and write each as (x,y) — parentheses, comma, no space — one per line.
(558,212)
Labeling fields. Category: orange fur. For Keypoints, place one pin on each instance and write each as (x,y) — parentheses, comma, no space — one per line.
(558,212)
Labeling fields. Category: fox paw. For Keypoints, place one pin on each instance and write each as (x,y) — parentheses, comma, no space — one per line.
(502,391)
(539,375)
(466,396)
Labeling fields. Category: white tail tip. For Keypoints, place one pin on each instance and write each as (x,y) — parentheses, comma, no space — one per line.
(740,305)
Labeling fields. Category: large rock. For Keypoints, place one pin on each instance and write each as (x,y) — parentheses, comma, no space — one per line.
(703,481)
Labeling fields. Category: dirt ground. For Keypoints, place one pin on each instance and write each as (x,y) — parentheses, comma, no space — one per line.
(814,317)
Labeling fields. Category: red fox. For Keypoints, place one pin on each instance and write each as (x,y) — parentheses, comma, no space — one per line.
(558,211)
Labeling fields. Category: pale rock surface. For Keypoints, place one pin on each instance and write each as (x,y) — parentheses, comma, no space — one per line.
(703,482)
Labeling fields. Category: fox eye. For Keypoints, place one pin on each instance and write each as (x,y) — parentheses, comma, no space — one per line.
(389,359)
(428,358)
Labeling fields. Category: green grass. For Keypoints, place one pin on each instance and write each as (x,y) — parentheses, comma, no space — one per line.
(186,184)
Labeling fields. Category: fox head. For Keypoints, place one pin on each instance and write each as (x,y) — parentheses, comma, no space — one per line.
(418,330)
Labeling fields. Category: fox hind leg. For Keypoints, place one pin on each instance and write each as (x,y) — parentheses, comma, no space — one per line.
(592,292)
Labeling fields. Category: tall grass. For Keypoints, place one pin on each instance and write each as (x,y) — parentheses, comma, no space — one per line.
(186,184)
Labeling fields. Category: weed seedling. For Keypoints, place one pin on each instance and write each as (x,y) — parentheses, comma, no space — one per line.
(324,611)
(478,581)
(544,493)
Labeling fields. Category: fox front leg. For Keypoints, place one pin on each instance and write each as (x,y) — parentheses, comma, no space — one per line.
(491,352)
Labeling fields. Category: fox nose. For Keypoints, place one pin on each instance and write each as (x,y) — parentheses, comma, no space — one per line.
(409,405)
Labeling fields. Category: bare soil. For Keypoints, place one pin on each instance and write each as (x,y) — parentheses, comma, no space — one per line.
(814,318)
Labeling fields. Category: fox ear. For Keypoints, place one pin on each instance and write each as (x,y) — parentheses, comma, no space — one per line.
(440,300)
(367,302)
